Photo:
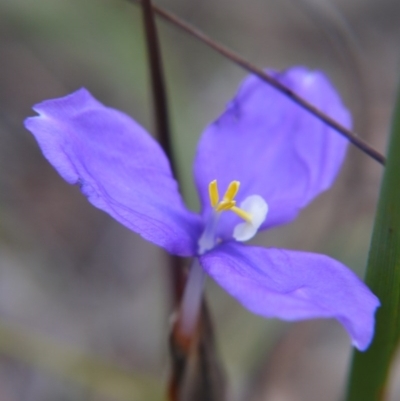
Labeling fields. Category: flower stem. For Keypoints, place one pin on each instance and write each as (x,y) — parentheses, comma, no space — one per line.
(192,297)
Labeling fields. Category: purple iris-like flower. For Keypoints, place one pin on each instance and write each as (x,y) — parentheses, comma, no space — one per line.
(268,156)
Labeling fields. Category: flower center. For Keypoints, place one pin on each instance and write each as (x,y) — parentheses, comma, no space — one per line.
(228,201)
(253,210)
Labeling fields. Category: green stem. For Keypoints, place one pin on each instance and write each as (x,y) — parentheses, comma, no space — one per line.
(370,370)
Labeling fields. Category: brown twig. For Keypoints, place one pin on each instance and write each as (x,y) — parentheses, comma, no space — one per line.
(224,51)
(157,81)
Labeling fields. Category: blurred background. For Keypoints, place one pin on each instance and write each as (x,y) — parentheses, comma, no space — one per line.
(85,304)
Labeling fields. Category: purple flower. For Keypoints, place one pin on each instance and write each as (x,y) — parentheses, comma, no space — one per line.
(279,155)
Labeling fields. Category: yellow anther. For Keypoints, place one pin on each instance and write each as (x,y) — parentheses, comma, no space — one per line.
(242,214)
(232,190)
(213,193)
(228,202)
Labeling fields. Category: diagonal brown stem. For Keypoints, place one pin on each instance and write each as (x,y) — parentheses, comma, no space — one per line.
(224,51)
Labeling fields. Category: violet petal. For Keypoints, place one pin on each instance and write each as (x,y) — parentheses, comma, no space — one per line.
(294,285)
(119,167)
(273,147)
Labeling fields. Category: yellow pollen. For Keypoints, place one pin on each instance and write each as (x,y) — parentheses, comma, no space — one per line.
(228,202)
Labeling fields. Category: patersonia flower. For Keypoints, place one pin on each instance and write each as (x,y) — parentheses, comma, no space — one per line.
(256,166)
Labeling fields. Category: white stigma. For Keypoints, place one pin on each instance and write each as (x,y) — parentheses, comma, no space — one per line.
(256,206)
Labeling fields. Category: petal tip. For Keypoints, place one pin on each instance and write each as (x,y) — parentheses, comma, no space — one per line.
(363,342)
